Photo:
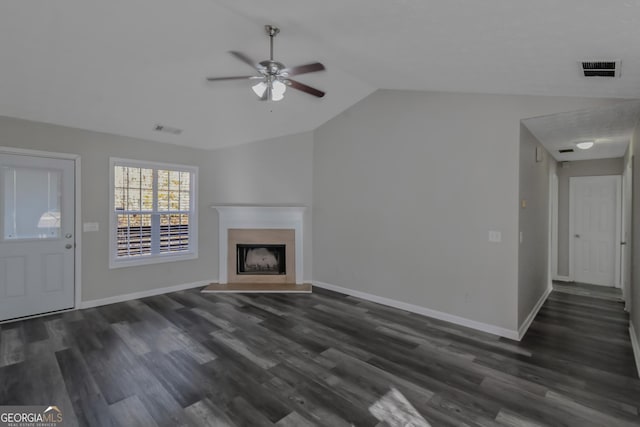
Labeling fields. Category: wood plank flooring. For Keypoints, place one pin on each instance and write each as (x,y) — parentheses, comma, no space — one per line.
(596,291)
(188,358)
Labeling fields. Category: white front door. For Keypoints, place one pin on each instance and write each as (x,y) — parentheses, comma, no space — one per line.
(37,236)
(595,215)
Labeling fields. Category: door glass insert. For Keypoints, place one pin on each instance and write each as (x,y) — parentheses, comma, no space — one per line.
(31,203)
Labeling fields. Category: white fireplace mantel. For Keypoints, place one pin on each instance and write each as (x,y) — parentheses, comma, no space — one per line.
(259,216)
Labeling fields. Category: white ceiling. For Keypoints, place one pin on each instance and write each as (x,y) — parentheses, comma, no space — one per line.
(609,127)
(122,66)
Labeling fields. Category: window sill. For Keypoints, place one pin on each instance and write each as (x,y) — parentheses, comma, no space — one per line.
(147,260)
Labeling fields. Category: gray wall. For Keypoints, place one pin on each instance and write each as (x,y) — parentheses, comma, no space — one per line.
(276,171)
(407,185)
(533,252)
(250,174)
(98,281)
(565,171)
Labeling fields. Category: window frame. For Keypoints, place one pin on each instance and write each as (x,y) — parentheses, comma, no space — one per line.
(132,261)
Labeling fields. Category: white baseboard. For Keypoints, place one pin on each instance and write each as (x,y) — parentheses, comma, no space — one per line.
(532,315)
(144,294)
(49,313)
(562,278)
(484,327)
(635,345)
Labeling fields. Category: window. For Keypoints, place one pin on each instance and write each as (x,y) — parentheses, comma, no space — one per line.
(153,213)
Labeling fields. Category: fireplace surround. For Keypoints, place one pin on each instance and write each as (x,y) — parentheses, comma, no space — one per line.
(260,226)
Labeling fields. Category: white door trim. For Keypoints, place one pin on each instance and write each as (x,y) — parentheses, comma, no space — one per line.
(572,183)
(78,205)
(553,223)
(626,235)
(571,231)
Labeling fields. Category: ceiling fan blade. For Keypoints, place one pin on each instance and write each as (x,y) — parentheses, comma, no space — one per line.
(304,88)
(303,69)
(244,58)
(215,79)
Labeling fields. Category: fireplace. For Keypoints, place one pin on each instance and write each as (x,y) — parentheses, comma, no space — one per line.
(275,231)
(261,255)
(261,259)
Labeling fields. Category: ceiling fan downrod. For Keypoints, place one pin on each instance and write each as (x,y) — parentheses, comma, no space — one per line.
(272,31)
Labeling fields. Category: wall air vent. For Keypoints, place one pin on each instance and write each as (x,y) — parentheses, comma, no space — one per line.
(167,129)
(601,68)
(566,150)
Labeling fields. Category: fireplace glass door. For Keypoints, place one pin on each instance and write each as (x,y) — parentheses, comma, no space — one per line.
(260,259)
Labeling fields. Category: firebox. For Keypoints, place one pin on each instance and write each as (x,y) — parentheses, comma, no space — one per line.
(261,259)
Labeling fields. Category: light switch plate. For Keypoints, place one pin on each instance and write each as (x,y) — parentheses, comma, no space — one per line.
(90,226)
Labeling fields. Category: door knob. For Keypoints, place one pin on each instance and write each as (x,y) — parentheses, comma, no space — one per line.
(68,246)
(577,236)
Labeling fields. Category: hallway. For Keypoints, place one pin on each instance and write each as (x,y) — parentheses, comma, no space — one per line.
(579,343)
(585,325)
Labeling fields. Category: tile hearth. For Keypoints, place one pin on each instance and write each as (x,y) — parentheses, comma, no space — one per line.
(266,288)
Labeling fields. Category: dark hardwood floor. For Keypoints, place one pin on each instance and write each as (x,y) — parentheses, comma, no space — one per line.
(596,291)
(317,359)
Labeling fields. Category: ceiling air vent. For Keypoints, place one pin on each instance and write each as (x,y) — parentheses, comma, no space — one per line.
(601,68)
(167,129)
(566,150)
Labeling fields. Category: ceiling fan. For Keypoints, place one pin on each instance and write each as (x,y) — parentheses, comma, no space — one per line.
(273,77)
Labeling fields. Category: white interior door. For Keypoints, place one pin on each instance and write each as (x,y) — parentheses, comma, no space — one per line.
(37,237)
(595,212)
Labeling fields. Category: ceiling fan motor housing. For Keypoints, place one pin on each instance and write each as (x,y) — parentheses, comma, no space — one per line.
(272,67)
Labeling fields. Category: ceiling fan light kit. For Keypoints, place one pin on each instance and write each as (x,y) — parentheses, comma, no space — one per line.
(273,76)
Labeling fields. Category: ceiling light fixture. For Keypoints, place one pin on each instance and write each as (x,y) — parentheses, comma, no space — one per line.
(273,76)
(274,89)
(584,145)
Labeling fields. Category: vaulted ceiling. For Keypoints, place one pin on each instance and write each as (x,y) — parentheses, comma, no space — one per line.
(123,66)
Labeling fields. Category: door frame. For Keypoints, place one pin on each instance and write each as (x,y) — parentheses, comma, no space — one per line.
(553,224)
(618,217)
(626,261)
(78,215)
